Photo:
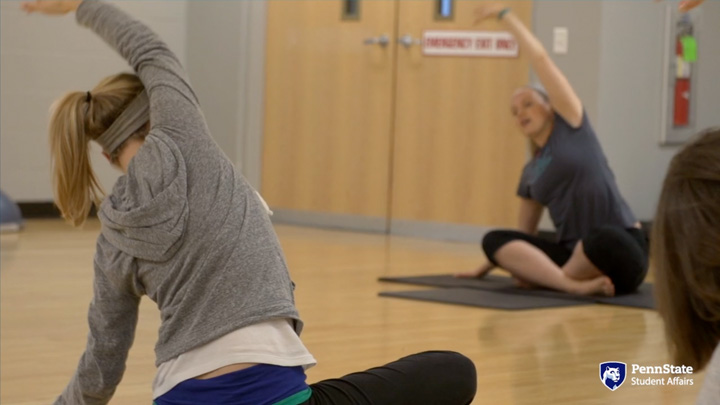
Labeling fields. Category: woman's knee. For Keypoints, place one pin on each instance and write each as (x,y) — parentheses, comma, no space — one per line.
(466,371)
(458,362)
(619,255)
(458,369)
(494,240)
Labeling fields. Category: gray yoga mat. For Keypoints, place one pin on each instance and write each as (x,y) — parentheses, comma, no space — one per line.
(484,298)
(642,298)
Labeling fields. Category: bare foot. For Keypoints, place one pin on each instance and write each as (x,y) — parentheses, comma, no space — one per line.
(597,286)
(480,272)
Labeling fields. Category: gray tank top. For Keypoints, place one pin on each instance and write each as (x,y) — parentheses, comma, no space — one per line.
(571,176)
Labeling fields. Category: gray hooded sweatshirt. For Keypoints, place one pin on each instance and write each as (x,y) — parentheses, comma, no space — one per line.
(182,226)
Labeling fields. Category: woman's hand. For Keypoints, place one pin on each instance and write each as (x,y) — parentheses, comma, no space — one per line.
(488,11)
(480,272)
(687,5)
(51,7)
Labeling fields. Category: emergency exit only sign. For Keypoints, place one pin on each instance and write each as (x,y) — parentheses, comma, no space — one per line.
(497,44)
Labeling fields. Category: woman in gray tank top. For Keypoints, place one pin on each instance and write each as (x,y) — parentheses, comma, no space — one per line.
(599,247)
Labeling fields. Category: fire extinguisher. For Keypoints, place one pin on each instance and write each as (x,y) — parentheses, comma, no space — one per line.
(686,55)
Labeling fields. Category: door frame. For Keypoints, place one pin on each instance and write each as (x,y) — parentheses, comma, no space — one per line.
(251,105)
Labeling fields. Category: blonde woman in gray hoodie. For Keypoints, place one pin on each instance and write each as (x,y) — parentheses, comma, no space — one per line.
(183,227)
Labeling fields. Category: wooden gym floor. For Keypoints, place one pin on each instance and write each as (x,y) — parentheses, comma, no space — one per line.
(523,357)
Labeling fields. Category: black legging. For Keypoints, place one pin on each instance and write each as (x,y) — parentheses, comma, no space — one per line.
(438,378)
(620,253)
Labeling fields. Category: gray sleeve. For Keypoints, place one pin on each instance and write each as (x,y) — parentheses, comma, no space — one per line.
(112,319)
(523,189)
(173,103)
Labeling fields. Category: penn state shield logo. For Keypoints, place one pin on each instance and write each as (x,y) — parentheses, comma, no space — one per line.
(612,374)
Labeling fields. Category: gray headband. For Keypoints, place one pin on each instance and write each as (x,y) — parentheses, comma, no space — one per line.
(135,115)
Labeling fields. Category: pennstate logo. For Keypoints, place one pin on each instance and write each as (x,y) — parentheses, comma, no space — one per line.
(612,374)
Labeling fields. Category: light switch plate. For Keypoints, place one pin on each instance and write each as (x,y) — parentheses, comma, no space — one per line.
(560,40)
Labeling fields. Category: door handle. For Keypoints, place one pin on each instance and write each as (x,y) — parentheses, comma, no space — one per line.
(407,41)
(383,40)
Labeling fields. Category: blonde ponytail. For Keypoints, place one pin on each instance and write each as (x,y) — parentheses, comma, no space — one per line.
(77,118)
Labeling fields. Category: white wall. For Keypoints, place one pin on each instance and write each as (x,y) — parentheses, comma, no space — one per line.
(582,63)
(214,64)
(226,58)
(40,59)
(615,62)
(630,96)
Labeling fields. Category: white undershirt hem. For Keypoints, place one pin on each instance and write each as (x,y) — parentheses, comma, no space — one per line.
(273,342)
